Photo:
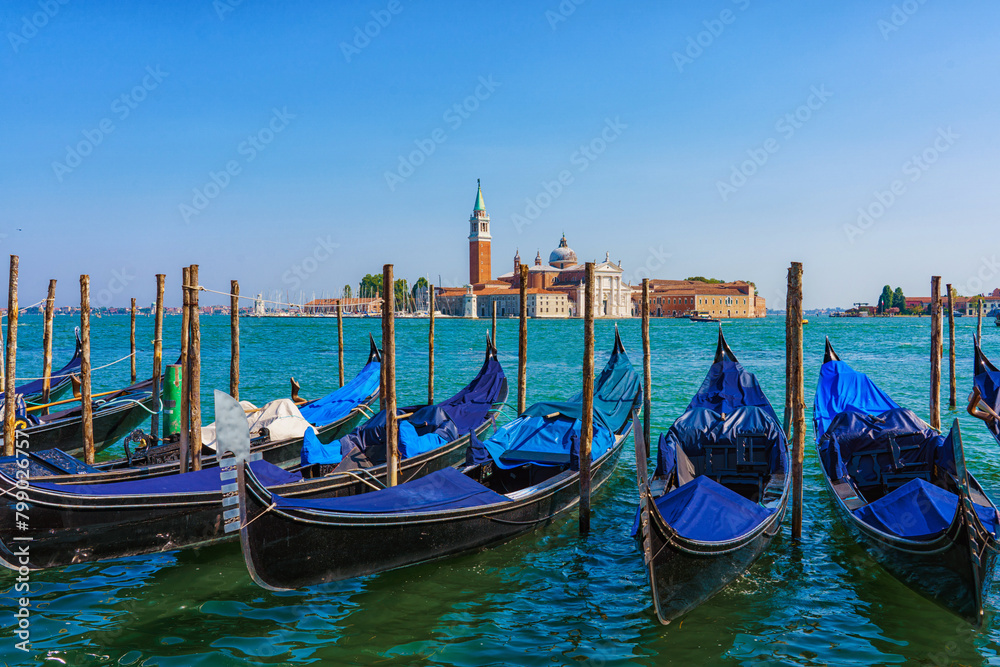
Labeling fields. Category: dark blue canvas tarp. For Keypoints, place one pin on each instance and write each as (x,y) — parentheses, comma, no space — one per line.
(728,386)
(460,414)
(544,441)
(338,404)
(706,511)
(919,510)
(438,491)
(842,388)
(189,482)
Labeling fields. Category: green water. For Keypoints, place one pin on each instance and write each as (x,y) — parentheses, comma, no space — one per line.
(549,598)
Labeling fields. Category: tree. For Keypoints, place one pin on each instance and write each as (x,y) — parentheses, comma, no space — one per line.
(421,284)
(898,300)
(347,291)
(917,309)
(371,286)
(703,279)
(885,300)
(401,294)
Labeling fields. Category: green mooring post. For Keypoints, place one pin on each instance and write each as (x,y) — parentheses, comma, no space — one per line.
(172,401)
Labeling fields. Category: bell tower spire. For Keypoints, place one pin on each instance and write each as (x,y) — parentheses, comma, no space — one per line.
(479,240)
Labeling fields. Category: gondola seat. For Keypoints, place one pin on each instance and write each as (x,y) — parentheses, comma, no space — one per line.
(707,511)
(918,510)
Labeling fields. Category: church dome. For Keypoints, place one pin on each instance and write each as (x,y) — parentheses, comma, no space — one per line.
(562,256)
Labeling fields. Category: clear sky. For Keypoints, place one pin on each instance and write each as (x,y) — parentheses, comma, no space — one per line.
(722,138)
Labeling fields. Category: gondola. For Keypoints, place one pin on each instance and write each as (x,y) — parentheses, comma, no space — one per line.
(719,491)
(903,491)
(328,418)
(74,523)
(523,477)
(60,381)
(984,403)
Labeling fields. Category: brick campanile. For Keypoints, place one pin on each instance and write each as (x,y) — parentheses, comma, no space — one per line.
(479,241)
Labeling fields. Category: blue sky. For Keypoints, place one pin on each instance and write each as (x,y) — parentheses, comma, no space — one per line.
(278,144)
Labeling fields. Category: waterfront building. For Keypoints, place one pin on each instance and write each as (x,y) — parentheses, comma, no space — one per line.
(683,298)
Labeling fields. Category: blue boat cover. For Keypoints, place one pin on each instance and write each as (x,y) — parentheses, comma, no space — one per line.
(919,510)
(707,511)
(728,386)
(987,380)
(338,404)
(440,490)
(540,441)
(189,482)
(842,388)
(853,433)
(460,414)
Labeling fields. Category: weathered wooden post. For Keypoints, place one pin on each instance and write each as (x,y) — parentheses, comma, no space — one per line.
(234,339)
(154,420)
(389,368)
(131,341)
(195,357)
(493,327)
(796,391)
(522,342)
(340,339)
(647,372)
(430,349)
(979,321)
(50,308)
(587,427)
(9,389)
(85,401)
(937,346)
(951,349)
(185,367)
(787,417)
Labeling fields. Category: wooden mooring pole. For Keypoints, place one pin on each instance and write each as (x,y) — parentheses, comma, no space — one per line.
(522,342)
(587,426)
(10,404)
(154,420)
(50,309)
(389,370)
(937,350)
(195,359)
(234,340)
(493,327)
(430,348)
(185,367)
(979,321)
(131,341)
(796,391)
(951,349)
(85,399)
(647,372)
(340,341)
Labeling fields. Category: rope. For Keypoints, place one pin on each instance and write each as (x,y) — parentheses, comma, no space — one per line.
(25,309)
(202,288)
(98,368)
(269,508)
(132,400)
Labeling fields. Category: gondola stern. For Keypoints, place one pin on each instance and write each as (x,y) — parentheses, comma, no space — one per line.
(722,350)
(619,347)
(374,354)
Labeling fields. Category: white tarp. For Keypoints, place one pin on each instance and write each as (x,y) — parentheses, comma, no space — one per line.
(281,418)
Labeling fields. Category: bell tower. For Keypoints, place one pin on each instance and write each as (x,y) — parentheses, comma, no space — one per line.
(479,241)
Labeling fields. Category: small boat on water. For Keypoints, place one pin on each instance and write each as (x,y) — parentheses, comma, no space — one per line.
(903,491)
(702,317)
(719,491)
(523,477)
(81,522)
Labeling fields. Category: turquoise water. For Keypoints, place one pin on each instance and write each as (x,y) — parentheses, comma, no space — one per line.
(549,598)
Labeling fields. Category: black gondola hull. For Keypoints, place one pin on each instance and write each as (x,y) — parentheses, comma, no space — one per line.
(69,528)
(110,425)
(685,573)
(286,550)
